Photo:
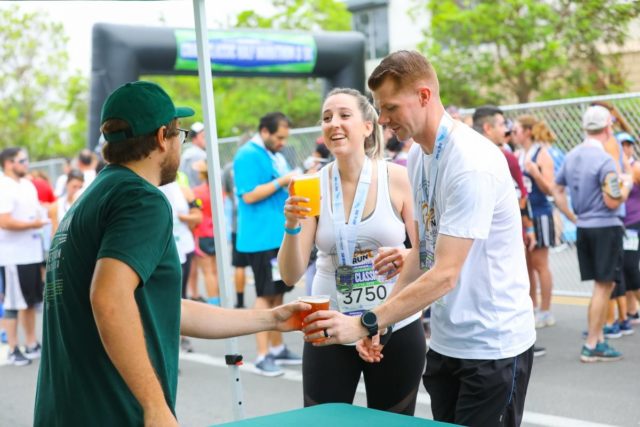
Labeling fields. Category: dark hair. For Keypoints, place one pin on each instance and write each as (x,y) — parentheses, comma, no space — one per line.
(403,68)
(8,154)
(75,174)
(322,150)
(372,143)
(272,121)
(85,157)
(394,144)
(485,114)
(131,149)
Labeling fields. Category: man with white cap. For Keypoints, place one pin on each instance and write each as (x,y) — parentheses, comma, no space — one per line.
(194,152)
(596,193)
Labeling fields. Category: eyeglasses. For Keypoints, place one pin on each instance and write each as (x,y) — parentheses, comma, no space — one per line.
(182,135)
(22,161)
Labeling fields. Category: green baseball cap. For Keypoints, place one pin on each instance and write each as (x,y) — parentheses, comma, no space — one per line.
(145,106)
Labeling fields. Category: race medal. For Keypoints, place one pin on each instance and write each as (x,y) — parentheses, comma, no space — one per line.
(423,256)
(344,278)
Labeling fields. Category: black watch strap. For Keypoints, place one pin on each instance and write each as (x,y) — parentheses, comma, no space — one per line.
(384,339)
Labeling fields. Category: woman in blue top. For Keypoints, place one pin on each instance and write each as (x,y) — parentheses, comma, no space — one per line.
(537,167)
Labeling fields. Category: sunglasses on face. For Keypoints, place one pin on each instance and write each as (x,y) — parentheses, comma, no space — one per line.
(21,161)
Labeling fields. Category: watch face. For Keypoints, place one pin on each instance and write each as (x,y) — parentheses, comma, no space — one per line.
(369,319)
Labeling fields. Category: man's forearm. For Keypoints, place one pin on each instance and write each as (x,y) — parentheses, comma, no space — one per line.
(262,191)
(118,321)
(13,224)
(414,297)
(206,321)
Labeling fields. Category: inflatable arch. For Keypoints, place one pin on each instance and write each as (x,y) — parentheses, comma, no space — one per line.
(122,53)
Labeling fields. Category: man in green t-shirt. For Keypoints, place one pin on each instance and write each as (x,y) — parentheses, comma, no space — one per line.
(113,313)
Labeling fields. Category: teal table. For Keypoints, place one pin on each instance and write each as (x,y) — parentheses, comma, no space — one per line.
(335,415)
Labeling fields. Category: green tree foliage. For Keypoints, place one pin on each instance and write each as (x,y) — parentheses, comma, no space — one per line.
(43,103)
(240,102)
(492,51)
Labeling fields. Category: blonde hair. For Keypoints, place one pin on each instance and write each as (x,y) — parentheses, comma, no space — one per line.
(373,142)
(527,121)
(541,132)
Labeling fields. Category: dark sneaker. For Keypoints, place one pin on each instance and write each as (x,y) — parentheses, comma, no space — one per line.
(286,357)
(17,358)
(625,327)
(268,367)
(634,318)
(602,353)
(185,345)
(33,352)
(539,351)
(612,331)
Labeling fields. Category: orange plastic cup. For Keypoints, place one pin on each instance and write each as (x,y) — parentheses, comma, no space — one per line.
(317,302)
(308,186)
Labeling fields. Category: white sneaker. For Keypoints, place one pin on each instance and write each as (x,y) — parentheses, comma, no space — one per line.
(544,319)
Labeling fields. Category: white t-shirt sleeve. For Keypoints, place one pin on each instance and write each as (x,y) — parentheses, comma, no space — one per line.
(469,201)
(7,197)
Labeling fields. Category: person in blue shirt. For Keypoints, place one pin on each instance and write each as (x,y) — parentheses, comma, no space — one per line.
(262,176)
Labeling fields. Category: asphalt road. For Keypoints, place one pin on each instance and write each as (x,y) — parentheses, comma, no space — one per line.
(562,392)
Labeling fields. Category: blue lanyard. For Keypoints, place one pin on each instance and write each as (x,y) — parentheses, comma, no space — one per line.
(345,233)
(443,136)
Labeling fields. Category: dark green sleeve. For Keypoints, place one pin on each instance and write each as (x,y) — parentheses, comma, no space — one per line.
(138,229)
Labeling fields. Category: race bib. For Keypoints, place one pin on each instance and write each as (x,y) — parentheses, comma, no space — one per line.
(631,240)
(359,286)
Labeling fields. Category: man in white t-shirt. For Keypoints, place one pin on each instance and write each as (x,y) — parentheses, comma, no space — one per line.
(194,152)
(470,266)
(21,219)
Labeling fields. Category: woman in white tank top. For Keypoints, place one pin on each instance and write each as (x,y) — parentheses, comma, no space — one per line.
(359,257)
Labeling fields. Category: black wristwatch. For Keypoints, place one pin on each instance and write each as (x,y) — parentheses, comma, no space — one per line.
(370,321)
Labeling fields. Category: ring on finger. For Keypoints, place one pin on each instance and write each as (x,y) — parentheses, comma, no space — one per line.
(326,334)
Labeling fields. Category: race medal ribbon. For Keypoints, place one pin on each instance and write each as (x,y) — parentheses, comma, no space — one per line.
(346,234)
(428,227)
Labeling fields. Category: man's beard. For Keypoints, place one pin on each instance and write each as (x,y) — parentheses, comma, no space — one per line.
(168,170)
